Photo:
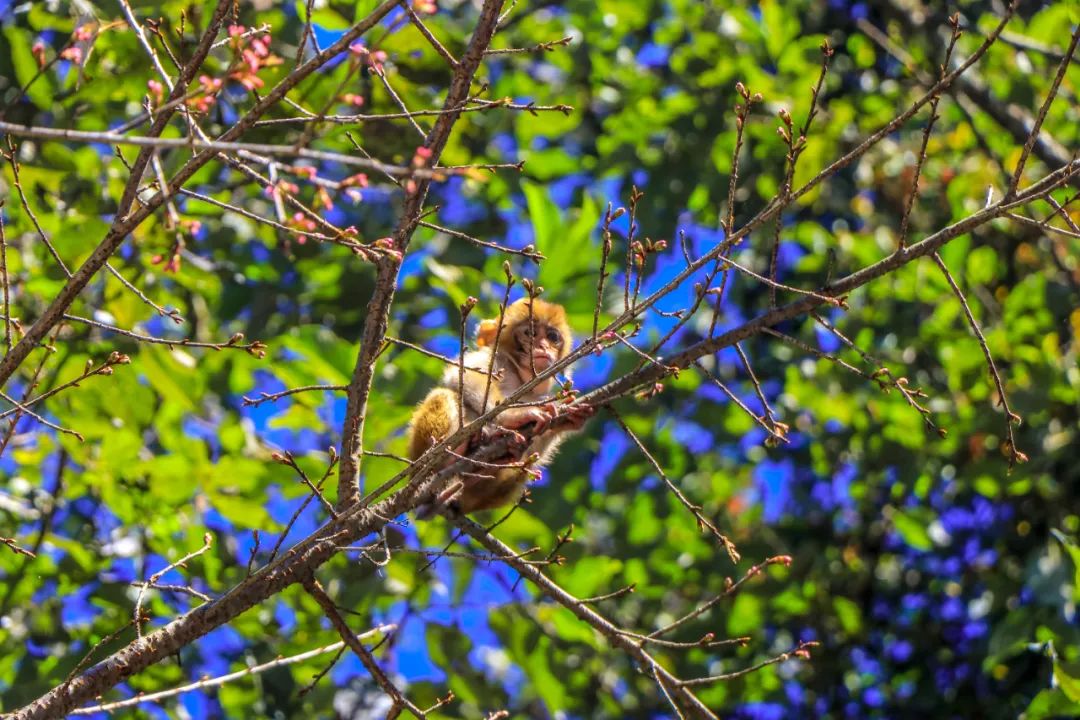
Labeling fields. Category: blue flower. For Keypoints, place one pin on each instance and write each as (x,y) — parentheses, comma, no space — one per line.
(900,650)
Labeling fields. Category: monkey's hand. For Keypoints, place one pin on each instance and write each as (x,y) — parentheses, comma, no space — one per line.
(569,417)
(518,418)
(574,416)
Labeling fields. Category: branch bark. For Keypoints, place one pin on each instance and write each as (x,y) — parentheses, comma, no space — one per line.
(375,327)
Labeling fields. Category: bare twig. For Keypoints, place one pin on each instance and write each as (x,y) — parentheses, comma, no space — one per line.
(695,510)
(399,701)
(1033,136)
(1003,400)
(137,618)
(229,677)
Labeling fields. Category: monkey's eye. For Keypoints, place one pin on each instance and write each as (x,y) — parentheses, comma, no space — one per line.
(554,337)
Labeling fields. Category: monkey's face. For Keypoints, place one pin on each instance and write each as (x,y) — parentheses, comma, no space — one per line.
(536,345)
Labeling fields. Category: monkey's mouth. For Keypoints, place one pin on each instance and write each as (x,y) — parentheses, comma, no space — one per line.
(541,361)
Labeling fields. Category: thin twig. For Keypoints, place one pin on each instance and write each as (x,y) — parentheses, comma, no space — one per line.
(137,618)
(4,280)
(695,510)
(315,589)
(229,677)
(1033,136)
(1015,455)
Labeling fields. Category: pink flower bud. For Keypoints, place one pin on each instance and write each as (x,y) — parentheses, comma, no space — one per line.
(38,51)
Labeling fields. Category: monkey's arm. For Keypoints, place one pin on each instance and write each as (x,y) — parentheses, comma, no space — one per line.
(474,385)
(568,419)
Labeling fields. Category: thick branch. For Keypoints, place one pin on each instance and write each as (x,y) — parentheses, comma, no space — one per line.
(375,326)
(681,696)
(843,286)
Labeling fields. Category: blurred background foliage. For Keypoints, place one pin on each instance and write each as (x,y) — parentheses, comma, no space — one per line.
(937,581)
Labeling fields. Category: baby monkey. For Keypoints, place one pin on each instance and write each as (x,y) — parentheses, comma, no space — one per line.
(533,337)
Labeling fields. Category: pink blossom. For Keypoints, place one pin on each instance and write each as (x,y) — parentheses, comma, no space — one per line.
(376,60)
(251,59)
(157,90)
(38,51)
(282,186)
(359,180)
(209,85)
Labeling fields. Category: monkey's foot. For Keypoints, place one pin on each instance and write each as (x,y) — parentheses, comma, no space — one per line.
(515,441)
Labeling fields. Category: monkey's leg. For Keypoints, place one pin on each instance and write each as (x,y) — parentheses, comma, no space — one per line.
(436,417)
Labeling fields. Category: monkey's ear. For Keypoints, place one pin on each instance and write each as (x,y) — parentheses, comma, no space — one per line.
(486,333)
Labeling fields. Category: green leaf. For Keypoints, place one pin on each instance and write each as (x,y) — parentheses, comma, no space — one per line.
(1052,703)
(746,615)
(849,615)
(545,218)
(42,90)
(323,17)
(645,524)
(545,681)
(590,575)
(167,377)
(1009,638)
(1069,683)
(1074,554)
(912,525)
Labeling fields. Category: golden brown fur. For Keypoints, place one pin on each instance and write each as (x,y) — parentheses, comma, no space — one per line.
(522,351)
